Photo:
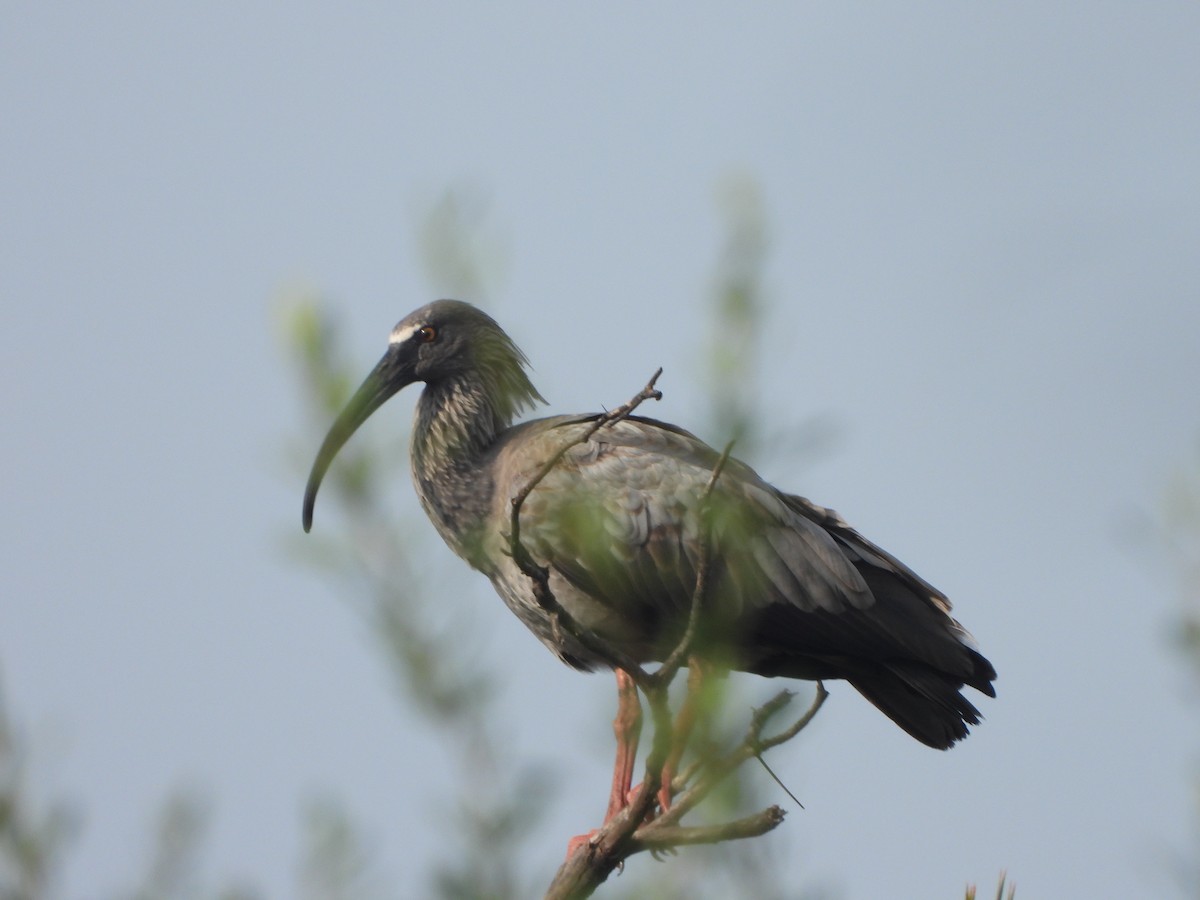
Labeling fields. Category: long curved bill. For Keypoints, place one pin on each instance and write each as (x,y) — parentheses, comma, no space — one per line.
(388,377)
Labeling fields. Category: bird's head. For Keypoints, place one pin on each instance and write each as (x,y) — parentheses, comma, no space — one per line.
(446,341)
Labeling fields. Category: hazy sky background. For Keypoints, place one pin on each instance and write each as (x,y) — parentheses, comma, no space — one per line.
(984,225)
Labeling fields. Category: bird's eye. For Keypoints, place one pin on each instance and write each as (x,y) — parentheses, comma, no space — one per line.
(427,334)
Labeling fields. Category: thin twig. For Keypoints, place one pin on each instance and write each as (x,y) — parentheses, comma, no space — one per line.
(801,723)
(656,836)
(649,392)
(560,620)
(753,744)
(783,787)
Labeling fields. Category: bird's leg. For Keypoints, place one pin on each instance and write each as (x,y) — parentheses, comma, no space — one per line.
(682,732)
(627,727)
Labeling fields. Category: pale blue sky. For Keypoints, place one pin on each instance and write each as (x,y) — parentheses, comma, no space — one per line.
(984,222)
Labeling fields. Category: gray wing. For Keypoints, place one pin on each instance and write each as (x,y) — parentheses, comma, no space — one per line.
(618,520)
(793,590)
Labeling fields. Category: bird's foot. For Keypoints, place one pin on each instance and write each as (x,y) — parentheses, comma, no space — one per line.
(579,840)
(663,797)
(664,803)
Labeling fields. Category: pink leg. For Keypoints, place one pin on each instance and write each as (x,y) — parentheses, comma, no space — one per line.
(627,727)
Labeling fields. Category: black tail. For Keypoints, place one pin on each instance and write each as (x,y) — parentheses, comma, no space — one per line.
(925,702)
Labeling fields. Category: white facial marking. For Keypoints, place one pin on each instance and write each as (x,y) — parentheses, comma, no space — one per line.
(402,333)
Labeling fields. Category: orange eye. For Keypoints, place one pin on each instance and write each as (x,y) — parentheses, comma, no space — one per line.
(428,334)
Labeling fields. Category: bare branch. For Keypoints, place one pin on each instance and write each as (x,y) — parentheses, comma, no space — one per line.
(649,392)
(800,724)
(594,860)
(656,836)
(711,773)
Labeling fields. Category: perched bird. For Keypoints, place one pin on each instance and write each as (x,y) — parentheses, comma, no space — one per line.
(793,590)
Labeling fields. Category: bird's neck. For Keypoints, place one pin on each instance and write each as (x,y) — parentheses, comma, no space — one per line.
(455,425)
(457,422)
(459,418)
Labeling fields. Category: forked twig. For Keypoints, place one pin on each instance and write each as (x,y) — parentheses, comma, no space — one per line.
(710,773)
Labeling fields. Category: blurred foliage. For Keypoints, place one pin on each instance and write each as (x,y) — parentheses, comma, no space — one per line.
(174,871)
(739,301)
(738,313)
(1180,532)
(32,838)
(336,862)
(1004,890)
(377,563)
(378,566)
(463,254)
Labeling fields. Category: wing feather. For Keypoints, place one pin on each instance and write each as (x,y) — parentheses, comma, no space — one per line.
(793,589)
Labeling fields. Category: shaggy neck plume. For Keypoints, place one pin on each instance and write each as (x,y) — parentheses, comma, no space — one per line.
(458,419)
